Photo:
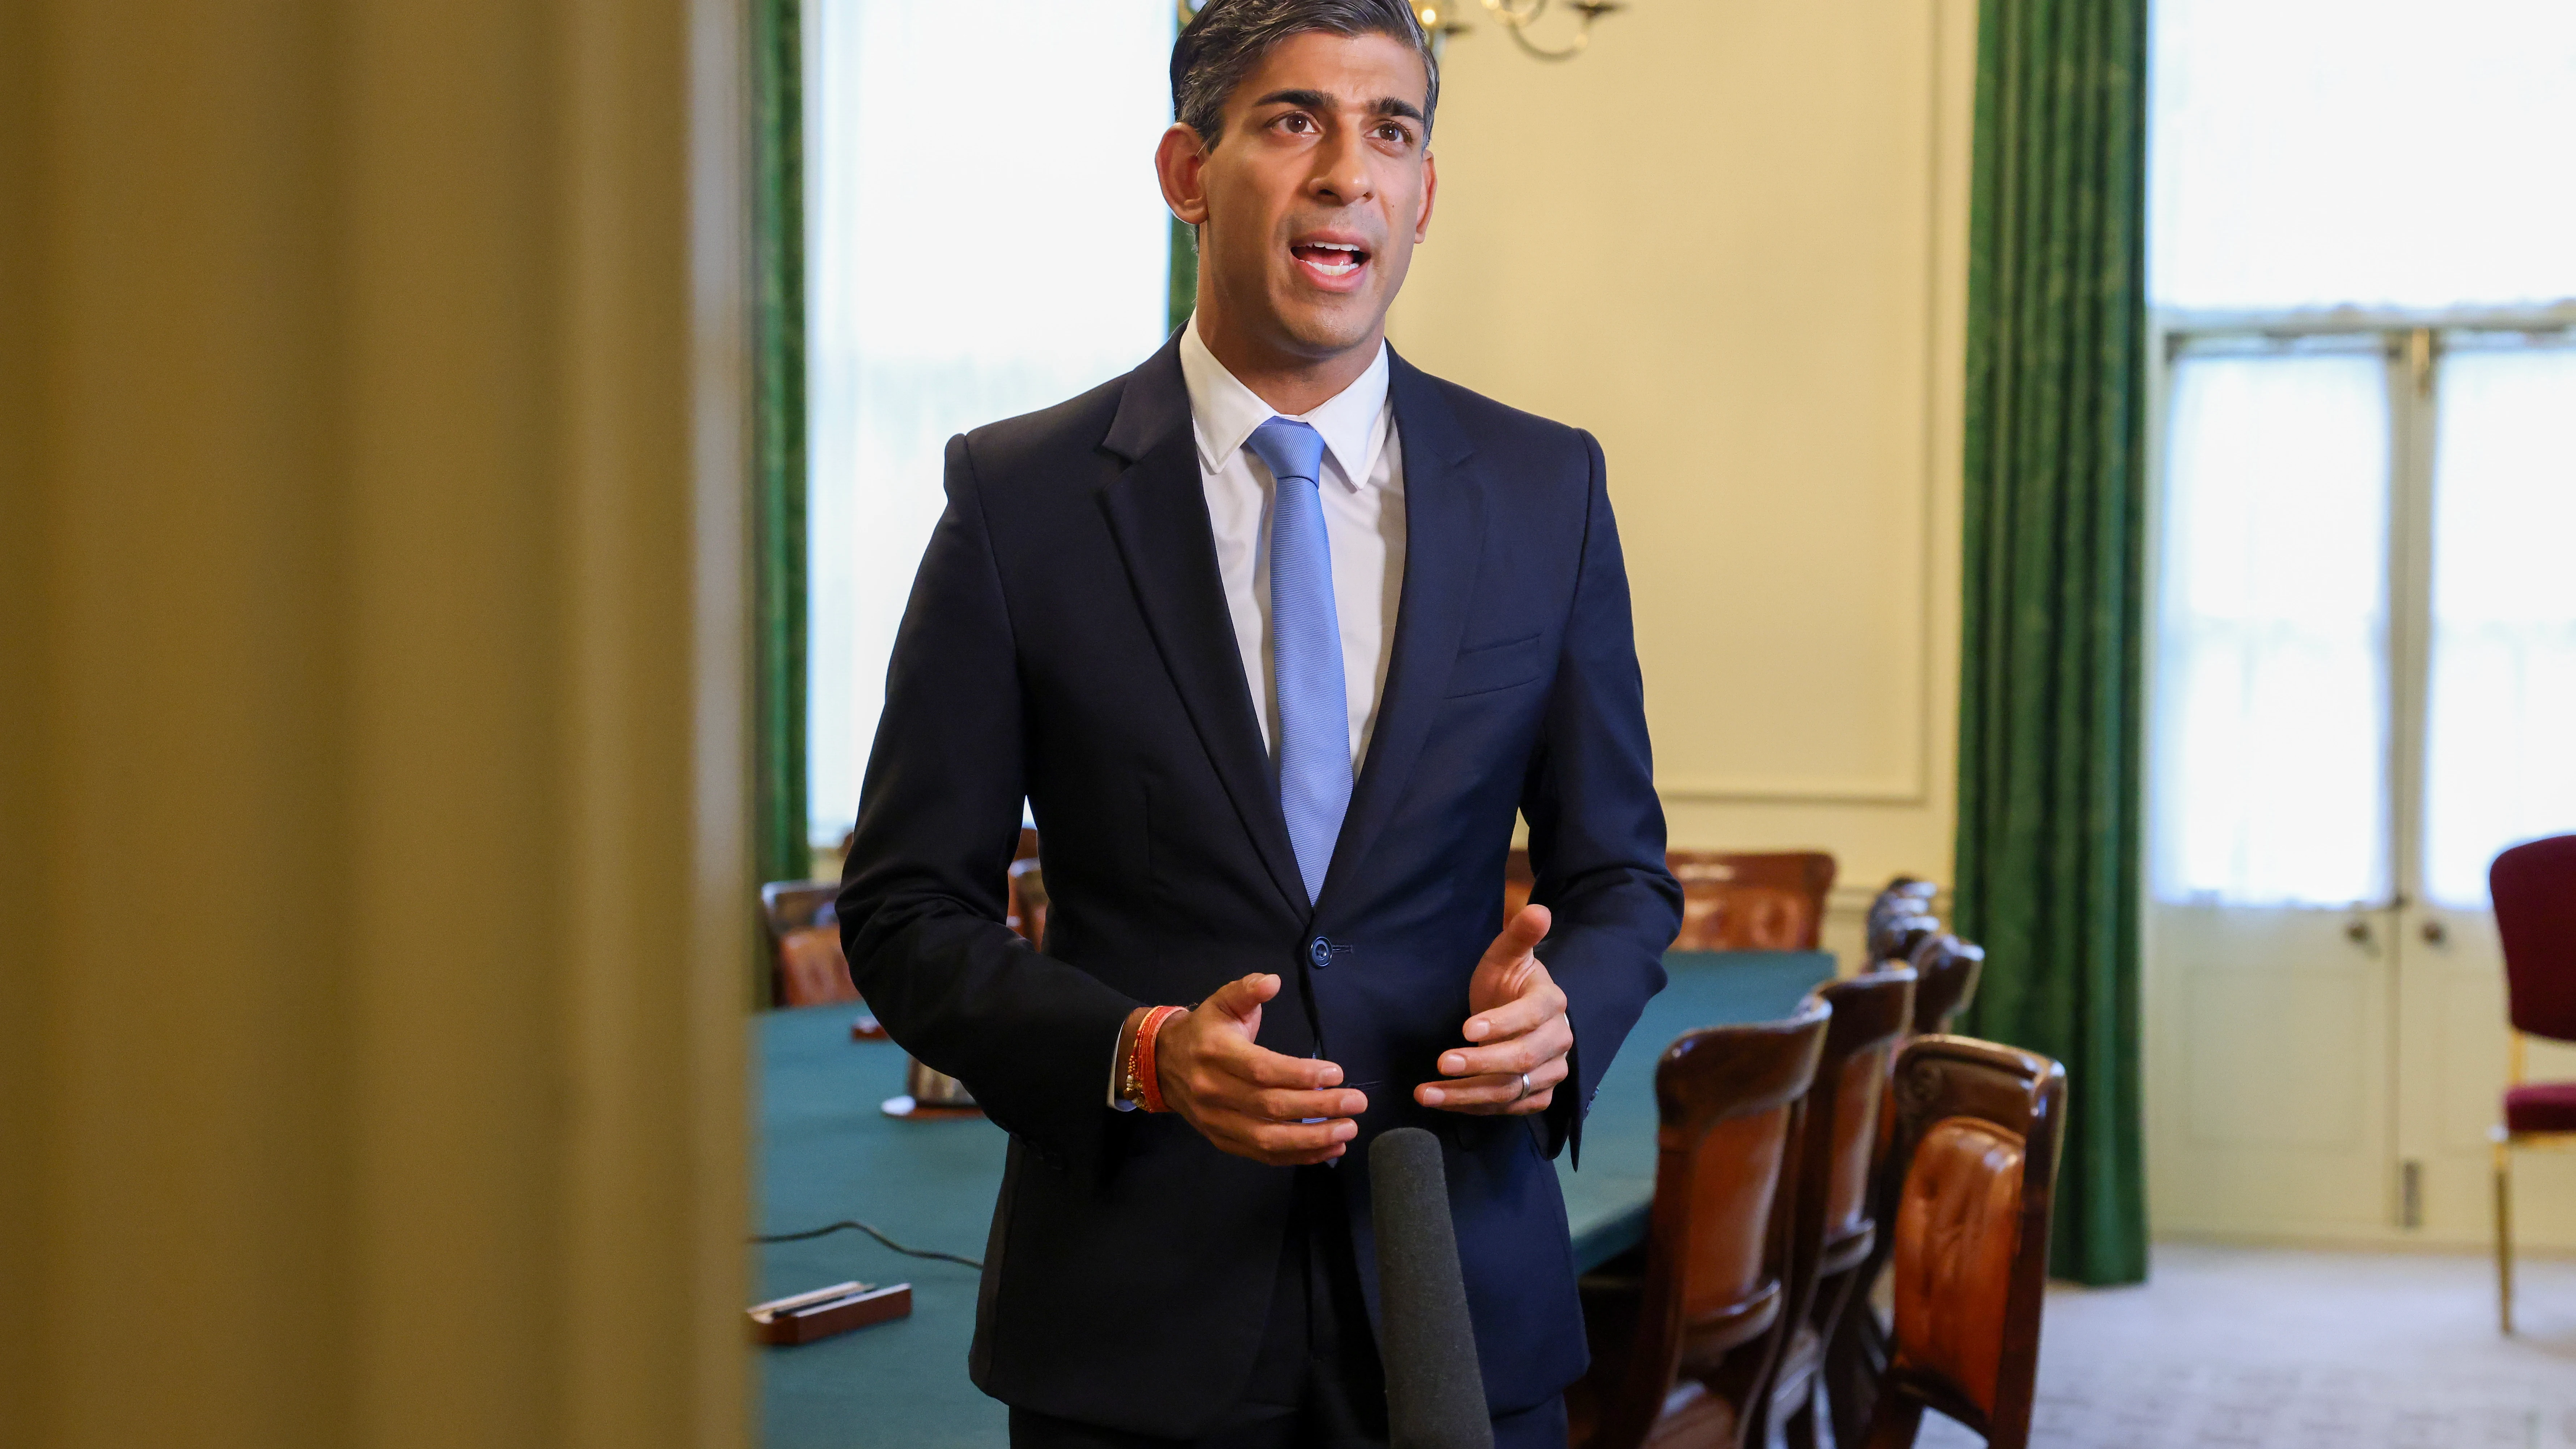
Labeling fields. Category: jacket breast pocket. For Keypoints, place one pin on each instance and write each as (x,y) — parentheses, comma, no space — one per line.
(1508,664)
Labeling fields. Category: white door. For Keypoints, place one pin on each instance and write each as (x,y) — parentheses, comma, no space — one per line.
(2364,673)
(2269,969)
(2498,764)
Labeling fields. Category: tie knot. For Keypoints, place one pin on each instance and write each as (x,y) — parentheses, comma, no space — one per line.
(1291,448)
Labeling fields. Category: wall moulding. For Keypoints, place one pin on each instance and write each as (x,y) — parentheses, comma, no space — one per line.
(1913,697)
(1698,790)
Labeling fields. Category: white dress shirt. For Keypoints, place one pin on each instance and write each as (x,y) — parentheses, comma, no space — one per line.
(1363,495)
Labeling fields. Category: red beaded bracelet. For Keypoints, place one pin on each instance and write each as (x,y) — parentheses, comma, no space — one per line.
(1149,1082)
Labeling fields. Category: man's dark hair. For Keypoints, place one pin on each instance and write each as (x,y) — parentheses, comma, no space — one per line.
(1228,38)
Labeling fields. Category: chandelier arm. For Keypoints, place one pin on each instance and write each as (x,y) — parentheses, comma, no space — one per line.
(1517,16)
(1582,38)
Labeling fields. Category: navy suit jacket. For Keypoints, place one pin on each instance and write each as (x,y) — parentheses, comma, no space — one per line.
(1068,641)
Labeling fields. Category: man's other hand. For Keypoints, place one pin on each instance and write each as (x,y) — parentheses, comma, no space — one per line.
(1248,1100)
(1518,1030)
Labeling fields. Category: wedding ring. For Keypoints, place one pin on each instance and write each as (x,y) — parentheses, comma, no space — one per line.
(1525,1086)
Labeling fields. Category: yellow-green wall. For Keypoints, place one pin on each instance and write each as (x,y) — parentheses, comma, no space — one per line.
(372,889)
(1730,240)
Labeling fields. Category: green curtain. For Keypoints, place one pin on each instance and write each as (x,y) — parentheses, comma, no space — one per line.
(2050,673)
(780,847)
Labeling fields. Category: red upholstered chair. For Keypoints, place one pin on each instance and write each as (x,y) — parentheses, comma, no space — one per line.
(2534,886)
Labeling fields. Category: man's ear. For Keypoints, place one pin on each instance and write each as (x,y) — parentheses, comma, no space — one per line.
(1180,163)
(1430,193)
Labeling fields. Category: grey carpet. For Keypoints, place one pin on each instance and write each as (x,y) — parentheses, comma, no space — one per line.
(2246,1348)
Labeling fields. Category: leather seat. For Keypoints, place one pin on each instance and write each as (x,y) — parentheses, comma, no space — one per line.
(1977,1134)
(1961,1207)
(2540,1107)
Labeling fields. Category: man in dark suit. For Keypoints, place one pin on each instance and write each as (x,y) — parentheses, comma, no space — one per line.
(1274,635)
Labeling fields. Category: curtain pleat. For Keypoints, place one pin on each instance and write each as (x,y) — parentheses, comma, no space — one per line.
(780,847)
(2051,666)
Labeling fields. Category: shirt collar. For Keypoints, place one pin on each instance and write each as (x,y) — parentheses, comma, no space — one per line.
(1223,412)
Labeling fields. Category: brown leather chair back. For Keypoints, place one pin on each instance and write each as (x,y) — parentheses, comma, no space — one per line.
(1871,1017)
(1712,1300)
(1730,902)
(1947,969)
(806,963)
(1978,1128)
(1833,1228)
(1751,902)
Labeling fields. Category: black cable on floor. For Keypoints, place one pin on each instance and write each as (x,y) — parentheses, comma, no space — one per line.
(852,1224)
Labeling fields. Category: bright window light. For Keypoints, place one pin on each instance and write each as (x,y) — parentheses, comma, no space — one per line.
(2387,153)
(986,239)
(2500,749)
(2270,779)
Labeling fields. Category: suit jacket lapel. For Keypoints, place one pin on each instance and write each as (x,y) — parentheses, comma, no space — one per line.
(1157,511)
(1444,542)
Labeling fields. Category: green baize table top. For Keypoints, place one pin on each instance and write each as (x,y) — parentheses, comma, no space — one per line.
(827,1152)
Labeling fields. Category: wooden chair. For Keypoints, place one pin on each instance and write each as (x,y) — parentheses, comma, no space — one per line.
(1833,1228)
(1834,1231)
(1684,1330)
(1751,902)
(806,963)
(1904,938)
(2534,888)
(1907,902)
(1028,909)
(1977,1133)
(1730,902)
(1946,972)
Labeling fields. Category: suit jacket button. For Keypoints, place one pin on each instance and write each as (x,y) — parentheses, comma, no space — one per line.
(1320,951)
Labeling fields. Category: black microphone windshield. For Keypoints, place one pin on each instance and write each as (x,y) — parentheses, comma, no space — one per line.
(1435,1394)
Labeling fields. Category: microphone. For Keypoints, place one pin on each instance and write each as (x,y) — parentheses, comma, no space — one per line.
(1435,1393)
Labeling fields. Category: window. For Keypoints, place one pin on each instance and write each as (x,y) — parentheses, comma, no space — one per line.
(2316,154)
(2364,267)
(2272,660)
(2501,699)
(986,239)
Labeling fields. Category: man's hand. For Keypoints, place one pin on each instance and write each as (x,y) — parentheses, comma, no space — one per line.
(1248,1100)
(1519,1027)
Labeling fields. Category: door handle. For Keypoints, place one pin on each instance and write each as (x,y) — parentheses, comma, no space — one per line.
(2358,933)
(2435,933)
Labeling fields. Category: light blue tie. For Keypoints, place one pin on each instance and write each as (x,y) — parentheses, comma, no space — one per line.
(1305,650)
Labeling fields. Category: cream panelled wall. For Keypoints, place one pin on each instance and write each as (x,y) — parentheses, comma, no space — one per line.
(1731,241)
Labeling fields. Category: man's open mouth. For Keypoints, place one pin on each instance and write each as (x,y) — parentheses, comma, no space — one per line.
(1331,261)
